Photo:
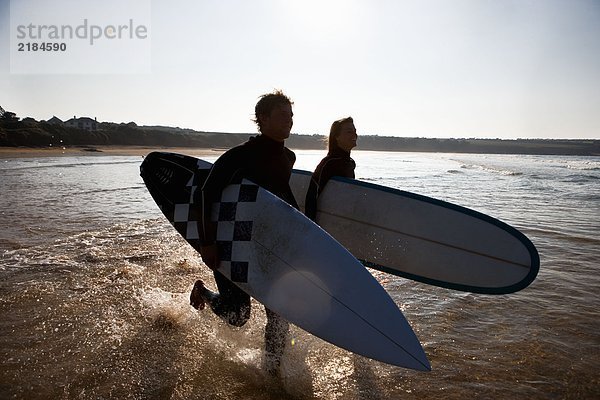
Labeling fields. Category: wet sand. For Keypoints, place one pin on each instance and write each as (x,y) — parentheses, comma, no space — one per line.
(29,152)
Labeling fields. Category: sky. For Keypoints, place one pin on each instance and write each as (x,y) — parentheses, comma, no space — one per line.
(425,68)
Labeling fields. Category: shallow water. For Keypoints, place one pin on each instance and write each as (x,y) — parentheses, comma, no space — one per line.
(95,285)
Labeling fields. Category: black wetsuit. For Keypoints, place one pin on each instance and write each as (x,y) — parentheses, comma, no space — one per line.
(267,163)
(336,163)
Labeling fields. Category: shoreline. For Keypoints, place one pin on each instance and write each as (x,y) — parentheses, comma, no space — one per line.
(33,152)
(7,152)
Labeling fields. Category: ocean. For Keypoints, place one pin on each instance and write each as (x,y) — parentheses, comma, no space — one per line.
(95,287)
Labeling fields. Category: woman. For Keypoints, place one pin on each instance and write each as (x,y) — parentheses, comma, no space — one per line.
(342,139)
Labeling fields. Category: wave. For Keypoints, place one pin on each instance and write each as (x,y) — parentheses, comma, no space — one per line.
(559,236)
(581,178)
(68,165)
(376,180)
(589,197)
(583,165)
(94,246)
(111,190)
(487,168)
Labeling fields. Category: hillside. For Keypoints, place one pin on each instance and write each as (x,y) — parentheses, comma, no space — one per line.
(31,133)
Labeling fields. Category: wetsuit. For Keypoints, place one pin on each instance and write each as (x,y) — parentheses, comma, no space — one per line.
(267,163)
(336,163)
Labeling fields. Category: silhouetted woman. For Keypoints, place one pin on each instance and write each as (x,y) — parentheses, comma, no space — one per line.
(342,139)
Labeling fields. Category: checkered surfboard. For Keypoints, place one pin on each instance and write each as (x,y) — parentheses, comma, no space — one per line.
(233,215)
(282,259)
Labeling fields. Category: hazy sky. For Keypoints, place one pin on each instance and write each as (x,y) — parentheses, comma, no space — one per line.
(447,68)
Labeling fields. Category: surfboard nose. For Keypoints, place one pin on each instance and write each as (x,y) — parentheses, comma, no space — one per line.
(423,362)
(165,172)
(156,168)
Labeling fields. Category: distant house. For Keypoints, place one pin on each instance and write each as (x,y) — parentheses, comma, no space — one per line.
(55,121)
(84,123)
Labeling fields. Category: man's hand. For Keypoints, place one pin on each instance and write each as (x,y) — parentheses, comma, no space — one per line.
(210,256)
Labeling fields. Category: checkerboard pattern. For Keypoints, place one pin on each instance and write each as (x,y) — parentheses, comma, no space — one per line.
(187,214)
(233,215)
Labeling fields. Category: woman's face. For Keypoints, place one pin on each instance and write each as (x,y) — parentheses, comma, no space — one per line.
(346,139)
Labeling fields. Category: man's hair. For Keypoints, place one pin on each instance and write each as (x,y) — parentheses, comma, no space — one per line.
(335,130)
(268,102)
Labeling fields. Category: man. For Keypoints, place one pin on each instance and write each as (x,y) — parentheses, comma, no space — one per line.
(265,161)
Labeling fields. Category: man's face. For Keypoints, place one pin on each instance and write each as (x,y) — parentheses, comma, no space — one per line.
(278,124)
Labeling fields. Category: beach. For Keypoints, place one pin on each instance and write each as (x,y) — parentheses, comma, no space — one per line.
(94,296)
(33,152)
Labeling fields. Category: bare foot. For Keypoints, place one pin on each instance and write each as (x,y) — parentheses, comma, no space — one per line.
(196,299)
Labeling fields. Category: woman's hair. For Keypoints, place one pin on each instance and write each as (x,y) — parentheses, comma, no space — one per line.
(335,130)
(267,103)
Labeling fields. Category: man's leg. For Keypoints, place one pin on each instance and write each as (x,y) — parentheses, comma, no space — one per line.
(230,303)
(275,337)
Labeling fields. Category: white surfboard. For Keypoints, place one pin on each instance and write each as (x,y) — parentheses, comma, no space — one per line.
(288,263)
(421,238)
